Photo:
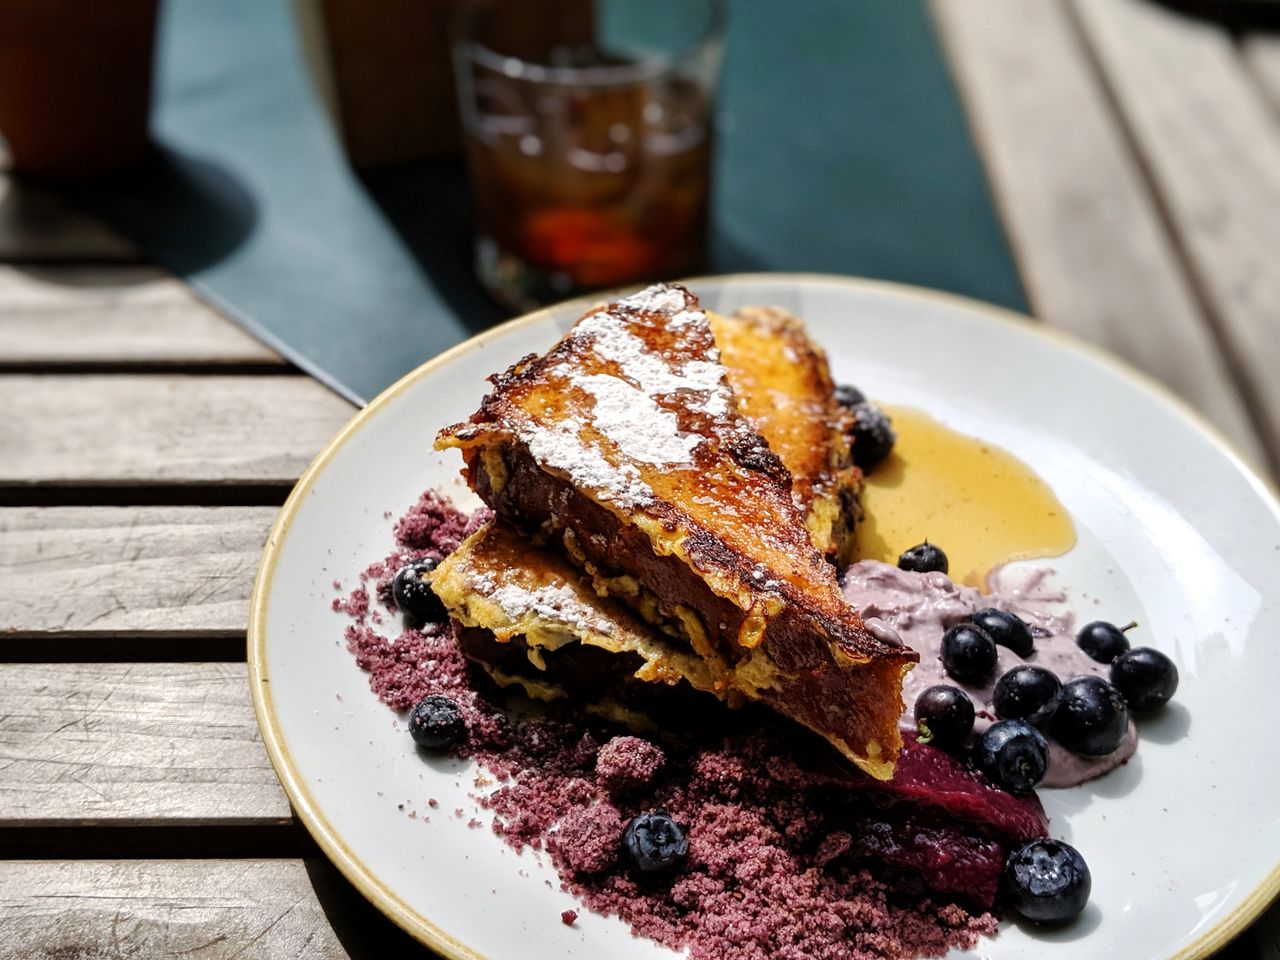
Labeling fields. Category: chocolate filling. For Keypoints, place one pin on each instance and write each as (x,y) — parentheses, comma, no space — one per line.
(591,675)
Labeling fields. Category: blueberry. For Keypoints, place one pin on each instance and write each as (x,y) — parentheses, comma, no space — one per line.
(654,841)
(1146,678)
(847,395)
(1027,693)
(944,715)
(1103,641)
(1007,629)
(968,653)
(1091,718)
(923,558)
(412,591)
(436,722)
(1046,881)
(872,436)
(1014,754)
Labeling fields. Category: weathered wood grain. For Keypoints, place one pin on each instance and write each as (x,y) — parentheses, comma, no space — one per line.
(132,743)
(1212,146)
(37,224)
(205,909)
(102,314)
(158,429)
(128,570)
(1262,55)
(1086,232)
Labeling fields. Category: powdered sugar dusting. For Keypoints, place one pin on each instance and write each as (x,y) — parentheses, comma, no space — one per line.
(627,386)
(561,447)
(642,431)
(658,298)
(556,603)
(654,375)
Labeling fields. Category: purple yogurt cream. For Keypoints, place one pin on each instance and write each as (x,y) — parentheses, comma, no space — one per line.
(919,607)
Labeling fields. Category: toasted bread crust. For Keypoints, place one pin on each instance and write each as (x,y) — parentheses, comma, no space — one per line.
(625,442)
(783,384)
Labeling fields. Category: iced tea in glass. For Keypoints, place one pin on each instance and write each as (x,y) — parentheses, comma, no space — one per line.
(588,138)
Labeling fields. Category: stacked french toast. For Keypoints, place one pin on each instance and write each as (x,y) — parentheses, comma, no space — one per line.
(672,493)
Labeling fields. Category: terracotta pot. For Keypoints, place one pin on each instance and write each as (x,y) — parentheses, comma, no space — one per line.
(75,83)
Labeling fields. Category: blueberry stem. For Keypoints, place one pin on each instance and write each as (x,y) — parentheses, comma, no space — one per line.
(923,733)
(1129,626)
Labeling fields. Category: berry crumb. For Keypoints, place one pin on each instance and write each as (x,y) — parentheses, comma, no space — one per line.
(766,874)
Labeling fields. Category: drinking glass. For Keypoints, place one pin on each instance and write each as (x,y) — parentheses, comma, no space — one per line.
(587,127)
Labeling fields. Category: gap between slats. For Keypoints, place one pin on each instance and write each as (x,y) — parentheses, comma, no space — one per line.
(140,494)
(167,839)
(20,646)
(237,368)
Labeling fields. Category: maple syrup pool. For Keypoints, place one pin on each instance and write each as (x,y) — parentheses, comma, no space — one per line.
(983,506)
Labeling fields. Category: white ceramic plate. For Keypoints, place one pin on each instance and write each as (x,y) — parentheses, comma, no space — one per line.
(1174,531)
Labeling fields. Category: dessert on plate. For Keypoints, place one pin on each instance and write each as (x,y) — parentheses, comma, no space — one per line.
(624,444)
(655,633)
(507,594)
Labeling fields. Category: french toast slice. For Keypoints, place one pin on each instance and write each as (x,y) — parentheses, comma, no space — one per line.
(625,444)
(531,620)
(526,616)
(783,386)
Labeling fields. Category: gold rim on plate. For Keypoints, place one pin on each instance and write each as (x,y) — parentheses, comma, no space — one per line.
(307,810)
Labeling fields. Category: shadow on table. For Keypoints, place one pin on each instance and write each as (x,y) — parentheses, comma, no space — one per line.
(186,208)
(428,205)
(364,932)
(37,225)
(1236,14)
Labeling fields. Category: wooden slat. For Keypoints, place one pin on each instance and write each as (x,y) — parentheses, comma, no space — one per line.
(205,909)
(128,570)
(132,743)
(1086,233)
(215,430)
(114,314)
(1212,146)
(36,224)
(1262,54)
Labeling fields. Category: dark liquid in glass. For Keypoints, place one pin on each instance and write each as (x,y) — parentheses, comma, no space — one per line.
(591,186)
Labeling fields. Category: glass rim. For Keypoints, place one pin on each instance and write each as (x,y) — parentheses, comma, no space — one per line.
(609,75)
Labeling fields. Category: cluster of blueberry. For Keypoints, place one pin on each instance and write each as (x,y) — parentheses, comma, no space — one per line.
(1045,880)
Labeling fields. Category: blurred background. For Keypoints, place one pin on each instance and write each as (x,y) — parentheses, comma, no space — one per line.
(304,166)
(412,171)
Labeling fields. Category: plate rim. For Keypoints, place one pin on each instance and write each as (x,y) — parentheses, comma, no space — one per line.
(369,884)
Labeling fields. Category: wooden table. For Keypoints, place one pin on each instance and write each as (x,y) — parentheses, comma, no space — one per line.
(146,443)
